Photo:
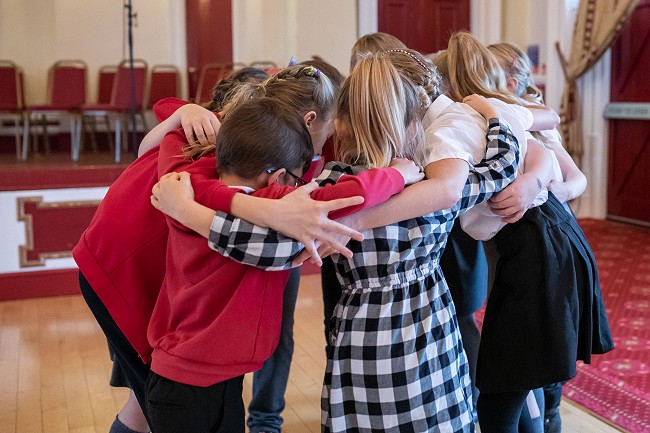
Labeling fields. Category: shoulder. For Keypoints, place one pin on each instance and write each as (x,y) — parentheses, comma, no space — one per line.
(513,113)
(205,167)
(460,116)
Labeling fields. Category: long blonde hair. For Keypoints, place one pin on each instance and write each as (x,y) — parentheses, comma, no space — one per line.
(303,87)
(517,64)
(468,67)
(386,95)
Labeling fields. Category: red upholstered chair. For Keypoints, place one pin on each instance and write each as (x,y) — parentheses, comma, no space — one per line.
(66,93)
(11,97)
(264,64)
(105,78)
(119,107)
(211,74)
(163,82)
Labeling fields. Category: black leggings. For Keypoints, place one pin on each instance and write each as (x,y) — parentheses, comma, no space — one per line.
(507,412)
(135,370)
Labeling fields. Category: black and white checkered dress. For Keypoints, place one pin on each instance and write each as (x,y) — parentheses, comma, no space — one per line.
(396,362)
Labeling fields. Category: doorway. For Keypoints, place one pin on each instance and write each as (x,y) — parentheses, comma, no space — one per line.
(628,189)
(423,25)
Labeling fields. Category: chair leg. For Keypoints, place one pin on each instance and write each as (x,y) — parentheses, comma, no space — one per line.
(35,134)
(46,136)
(91,122)
(17,135)
(108,132)
(74,138)
(26,128)
(118,138)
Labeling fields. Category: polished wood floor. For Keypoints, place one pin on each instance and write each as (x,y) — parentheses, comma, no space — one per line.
(54,370)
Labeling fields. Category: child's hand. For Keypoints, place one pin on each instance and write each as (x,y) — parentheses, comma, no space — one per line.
(171,192)
(515,199)
(199,124)
(482,105)
(410,171)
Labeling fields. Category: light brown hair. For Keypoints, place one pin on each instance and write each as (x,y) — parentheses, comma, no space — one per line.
(468,67)
(302,87)
(225,88)
(516,64)
(373,43)
(381,104)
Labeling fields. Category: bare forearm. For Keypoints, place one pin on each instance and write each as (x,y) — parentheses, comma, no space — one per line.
(538,163)
(543,118)
(195,216)
(157,133)
(575,182)
(441,190)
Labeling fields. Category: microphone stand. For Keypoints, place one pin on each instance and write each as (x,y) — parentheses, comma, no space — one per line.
(130,16)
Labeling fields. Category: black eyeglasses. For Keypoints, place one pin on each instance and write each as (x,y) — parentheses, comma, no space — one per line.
(297,179)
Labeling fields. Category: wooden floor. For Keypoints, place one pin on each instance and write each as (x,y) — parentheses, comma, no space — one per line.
(54,370)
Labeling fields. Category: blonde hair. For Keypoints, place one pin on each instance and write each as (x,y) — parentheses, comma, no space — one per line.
(373,43)
(517,64)
(468,67)
(302,87)
(386,94)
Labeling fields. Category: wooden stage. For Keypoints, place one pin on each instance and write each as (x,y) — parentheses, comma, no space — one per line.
(45,204)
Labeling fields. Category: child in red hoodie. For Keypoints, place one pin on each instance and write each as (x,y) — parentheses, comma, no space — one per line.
(217,319)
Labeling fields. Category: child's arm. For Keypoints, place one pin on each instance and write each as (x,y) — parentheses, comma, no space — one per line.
(375,185)
(513,201)
(489,176)
(256,246)
(543,118)
(496,170)
(575,182)
(196,121)
(246,243)
(297,214)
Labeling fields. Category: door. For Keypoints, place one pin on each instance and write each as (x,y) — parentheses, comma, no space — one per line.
(209,36)
(423,25)
(628,194)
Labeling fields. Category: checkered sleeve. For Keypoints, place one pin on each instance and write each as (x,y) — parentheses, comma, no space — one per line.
(496,170)
(252,245)
(258,246)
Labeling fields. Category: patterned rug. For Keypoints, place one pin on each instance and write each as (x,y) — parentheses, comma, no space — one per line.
(616,386)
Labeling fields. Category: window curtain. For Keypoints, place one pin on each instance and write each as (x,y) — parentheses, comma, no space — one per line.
(598,22)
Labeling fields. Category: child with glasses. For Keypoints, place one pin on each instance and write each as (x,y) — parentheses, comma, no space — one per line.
(217,319)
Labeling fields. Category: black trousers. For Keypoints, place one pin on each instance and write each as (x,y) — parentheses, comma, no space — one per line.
(135,370)
(179,408)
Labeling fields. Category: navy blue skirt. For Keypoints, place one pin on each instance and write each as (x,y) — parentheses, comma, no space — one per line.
(545,310)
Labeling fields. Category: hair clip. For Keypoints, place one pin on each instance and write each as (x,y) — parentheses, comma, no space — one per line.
(310,71)
(292,62)
(411,55)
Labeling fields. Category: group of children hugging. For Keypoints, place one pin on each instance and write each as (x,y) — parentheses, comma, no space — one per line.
(445,179)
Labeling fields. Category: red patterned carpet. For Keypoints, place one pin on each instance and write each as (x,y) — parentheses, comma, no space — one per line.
(616,386)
